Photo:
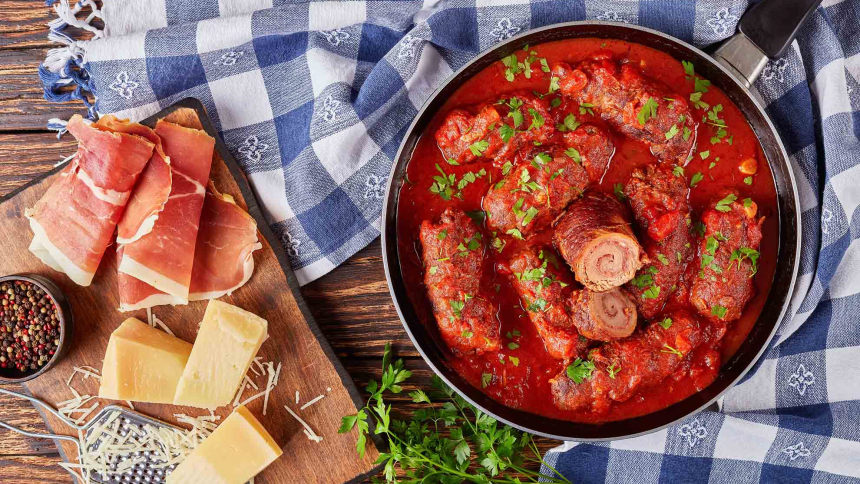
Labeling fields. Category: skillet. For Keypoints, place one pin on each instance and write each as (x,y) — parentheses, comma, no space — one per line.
(766,31)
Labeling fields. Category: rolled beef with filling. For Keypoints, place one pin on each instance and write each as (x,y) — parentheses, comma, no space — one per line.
(497,132)
(453,264)
(659,202)
(533,193)
(603,316)
(592,146)
(633,104)
(544,288)
(728,259)
(623,368)
(595,238)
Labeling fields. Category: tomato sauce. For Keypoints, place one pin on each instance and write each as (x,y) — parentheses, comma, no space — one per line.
(526,385)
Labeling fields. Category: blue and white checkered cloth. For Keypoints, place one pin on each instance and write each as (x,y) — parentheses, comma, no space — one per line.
(313,98)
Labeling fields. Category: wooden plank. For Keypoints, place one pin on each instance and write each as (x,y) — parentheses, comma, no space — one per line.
(17,469)
(22,102)
(23,24)
(20,413)
(29,155)
(291,343)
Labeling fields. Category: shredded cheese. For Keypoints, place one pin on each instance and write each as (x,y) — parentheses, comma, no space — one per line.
(309,432)
(297,397)
(315,400)
(87,371)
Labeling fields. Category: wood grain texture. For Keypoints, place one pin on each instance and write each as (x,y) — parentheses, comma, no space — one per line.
(292,343)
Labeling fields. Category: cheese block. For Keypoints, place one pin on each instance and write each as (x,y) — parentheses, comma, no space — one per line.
(227,342)
(235,452)
(142,364)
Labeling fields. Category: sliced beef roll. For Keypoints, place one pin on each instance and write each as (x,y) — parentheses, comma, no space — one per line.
(603,316)
(659,202)
(728,259)
(544,289)
(623,368)
(596,240)
(453,262)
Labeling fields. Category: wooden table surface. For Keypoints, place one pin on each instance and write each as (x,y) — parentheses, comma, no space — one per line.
(351,304)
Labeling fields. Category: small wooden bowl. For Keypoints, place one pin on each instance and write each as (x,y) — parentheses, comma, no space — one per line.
(67,327)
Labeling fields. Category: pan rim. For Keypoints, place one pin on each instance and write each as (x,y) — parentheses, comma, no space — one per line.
(390,203)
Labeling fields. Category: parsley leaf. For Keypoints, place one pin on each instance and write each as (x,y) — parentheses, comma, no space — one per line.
(651,293)
(666,323)
(688,68)
(697,177)
(513,346)
(613,370)
(724,205)
(574,155)
(672,132)
(748,180)
(647,111)
(506,168)
(537,119)
(669,349)
(512,67)
(678,171)
(486,379)
(747,202)
(514,360)
(662,258)
(479,147)
(506,132)
(515,233)
(696,99)
(618,189)
(586,108)
(719,311)
(466,334)
(580,370)
(642,280)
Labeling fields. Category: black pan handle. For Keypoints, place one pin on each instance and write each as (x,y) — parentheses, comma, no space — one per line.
(773,24)
(766,31)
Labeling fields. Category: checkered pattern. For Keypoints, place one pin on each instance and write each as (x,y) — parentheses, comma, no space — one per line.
(314,98)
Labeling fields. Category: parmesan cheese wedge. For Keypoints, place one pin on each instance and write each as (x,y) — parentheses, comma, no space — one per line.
(142,364)
(235,452)
(227,342)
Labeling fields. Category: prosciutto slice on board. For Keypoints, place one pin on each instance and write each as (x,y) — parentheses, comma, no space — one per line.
(163,258)
(151,191)
(223,257)
(74,222)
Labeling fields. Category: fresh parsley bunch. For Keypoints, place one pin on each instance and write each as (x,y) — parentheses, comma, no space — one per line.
(449,444)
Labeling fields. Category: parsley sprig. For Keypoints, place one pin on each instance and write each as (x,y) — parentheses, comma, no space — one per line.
(447,440)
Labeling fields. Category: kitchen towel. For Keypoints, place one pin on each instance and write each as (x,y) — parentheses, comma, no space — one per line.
(313,99)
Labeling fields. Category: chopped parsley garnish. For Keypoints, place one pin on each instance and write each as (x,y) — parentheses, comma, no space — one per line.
(719,311)
(678,171)
(724,205)
(515,233)
(514,104)
(479,147)
(648,111)
(556,102)
(537,119)
(748,180)
(711,245)
(701,85)
(613,370)
(586,108)
(553,85)
(618,189)
(688,68)
(457,307)
(506,168)
(556,174)
(498,243)
(697,177)
(466,334)
(525,182)
(506,132)
(442,185)
(542,159)
(512,334)
(512,67)
(747,202)
(513,346)
(452,162)
(574,155)
(704,154)
(642,280)
(669,349)
(662,258)
(746,253)
(580,370)
(687,133)
(441,235)
(699,228)
(570,123)
(539,304)
(696,99)
(713,164)
(433,270)
(486,378)
(651,293)
(543,65)
(514,360)
(666,323)
(672,132)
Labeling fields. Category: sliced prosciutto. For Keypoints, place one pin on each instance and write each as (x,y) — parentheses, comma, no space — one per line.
(163,258)
(75,220)
(152,189)
(223,258)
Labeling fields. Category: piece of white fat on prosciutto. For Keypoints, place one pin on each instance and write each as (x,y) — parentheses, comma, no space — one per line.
(223,259)
(74,221)
(223,256)
(164,257)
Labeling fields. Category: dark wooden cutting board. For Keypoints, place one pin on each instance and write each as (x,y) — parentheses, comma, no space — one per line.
(309,364)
